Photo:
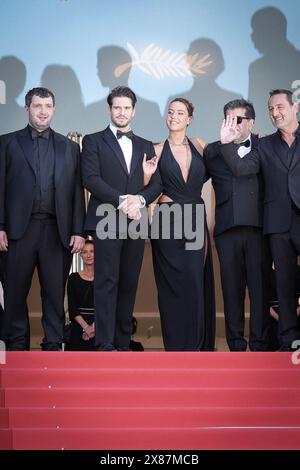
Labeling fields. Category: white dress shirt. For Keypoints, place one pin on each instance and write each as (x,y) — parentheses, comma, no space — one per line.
(126,146)
(242,150)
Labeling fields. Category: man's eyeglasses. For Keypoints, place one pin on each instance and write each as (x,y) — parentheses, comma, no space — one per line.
(239,119)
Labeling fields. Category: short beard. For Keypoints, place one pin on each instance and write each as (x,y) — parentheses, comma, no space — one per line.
(120,126)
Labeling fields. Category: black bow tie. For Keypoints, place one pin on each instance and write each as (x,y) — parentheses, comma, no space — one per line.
(128,134)
(42,135)
(245,144)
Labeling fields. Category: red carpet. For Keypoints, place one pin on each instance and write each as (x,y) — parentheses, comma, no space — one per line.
(154,400)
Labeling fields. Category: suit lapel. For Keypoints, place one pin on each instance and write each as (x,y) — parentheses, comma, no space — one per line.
(59,145)
(283,160)
(111,140)
(26,145)
(136,152)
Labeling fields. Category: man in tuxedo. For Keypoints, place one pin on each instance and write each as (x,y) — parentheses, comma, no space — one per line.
(278,159)
(41,219)
(240,244)
(112,169)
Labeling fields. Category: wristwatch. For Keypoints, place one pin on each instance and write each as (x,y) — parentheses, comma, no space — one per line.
(142,202)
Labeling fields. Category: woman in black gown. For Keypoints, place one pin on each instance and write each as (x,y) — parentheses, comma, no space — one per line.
(184,277)
(80,291)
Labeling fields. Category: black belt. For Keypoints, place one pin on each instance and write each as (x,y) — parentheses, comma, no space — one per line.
(42,216)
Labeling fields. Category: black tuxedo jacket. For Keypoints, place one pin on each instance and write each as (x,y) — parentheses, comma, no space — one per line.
(281,179)
(239,199)
(18,179)
(105,173)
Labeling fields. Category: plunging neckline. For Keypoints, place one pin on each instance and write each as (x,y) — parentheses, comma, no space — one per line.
(180,171)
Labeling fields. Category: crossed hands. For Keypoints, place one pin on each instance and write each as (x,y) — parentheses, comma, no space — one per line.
(88,332)
(131,206)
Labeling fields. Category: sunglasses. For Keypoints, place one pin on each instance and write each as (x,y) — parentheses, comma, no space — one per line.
(239,119)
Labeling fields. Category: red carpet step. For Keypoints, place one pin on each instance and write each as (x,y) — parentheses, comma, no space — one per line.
(154,400)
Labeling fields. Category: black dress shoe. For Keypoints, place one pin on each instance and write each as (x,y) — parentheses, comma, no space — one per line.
(16,346)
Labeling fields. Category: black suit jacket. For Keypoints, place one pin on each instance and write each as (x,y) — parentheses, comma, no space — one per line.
(105,173)
(281,181)
(239,199)
(18,179)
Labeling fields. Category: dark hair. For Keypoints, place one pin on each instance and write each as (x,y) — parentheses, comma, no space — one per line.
(119,92)
(282,91)
(189,106)
(38,91)
(89,241)
(234,104)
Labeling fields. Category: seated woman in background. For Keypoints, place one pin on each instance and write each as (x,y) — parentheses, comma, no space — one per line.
(80,292)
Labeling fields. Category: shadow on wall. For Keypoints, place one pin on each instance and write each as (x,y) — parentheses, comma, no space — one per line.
(13,74)
(279,65)
(206,95)
(69,109)
(147,121)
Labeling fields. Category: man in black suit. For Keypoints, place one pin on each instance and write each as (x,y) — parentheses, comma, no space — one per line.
(41,219)
(278,159)
(112,169)
(240,244)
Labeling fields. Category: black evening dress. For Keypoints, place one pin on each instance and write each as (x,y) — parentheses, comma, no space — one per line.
(184,278)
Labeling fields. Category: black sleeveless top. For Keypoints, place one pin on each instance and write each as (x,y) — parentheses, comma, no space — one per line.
(174,185)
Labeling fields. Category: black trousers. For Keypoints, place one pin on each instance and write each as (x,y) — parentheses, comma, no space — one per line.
(245,262)
(39,247)
(117,269)
(285,249)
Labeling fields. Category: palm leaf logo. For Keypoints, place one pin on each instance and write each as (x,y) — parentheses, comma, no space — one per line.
(160,63)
